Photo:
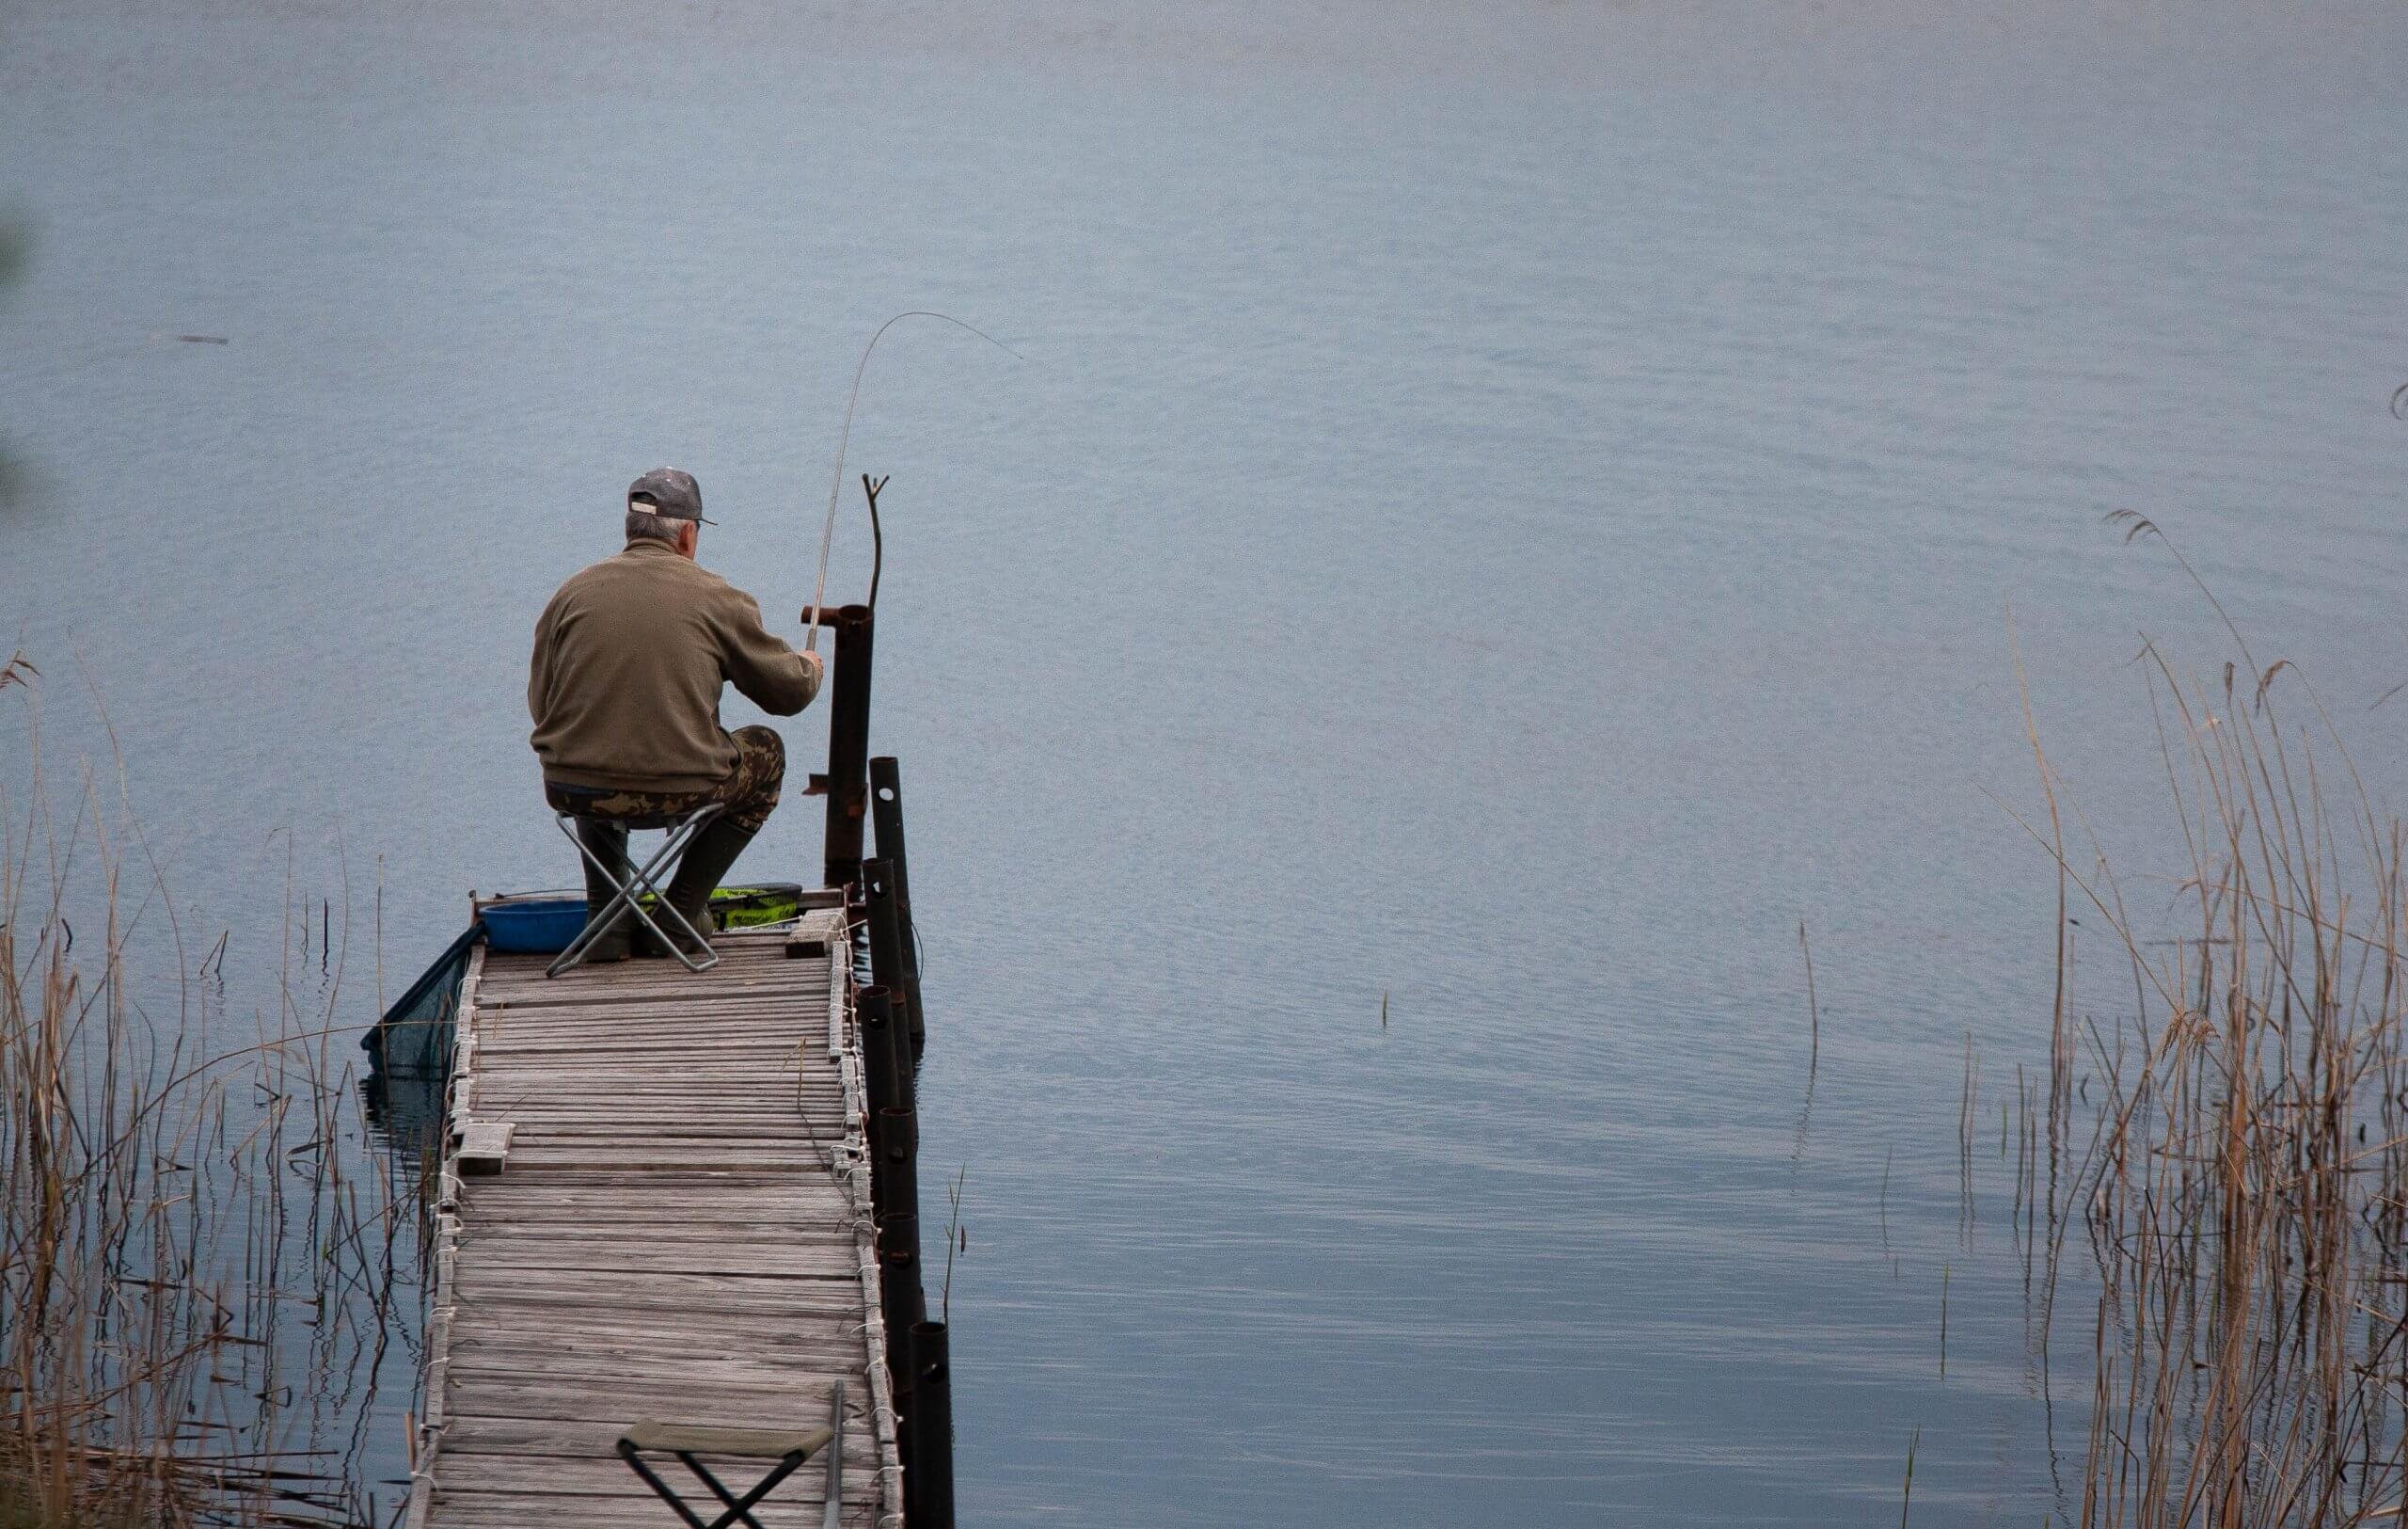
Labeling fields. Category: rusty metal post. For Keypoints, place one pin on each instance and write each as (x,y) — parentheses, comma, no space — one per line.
(898,1166)
(901,1307)
(848,745)
(875,1011)
(927,1486)
(906,1081)
(889,966)
(875,1007)
(886,814)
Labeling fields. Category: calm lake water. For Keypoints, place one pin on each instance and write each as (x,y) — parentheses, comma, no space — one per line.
(1501,512)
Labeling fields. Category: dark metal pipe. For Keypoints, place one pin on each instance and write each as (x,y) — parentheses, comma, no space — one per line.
(885,925)
(875,1009)
(900,1299)
(898,1154)
(927,1486)
(900,1303)
(907,1079)
(848,745)
(888,963)
(886,814)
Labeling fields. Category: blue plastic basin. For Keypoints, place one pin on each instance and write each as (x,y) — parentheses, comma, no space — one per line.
(543,926)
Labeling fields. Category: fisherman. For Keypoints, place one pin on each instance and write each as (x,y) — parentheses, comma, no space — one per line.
(624,687)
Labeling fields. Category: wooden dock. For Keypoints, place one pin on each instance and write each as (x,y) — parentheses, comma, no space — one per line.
(679,1231)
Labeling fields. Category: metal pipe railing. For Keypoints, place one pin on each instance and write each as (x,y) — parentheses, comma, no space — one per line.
(886,816)
(848,779)
(900,1307)
(888,963)
(927,1485)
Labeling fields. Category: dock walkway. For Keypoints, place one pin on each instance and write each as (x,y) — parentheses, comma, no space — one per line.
(679,1231)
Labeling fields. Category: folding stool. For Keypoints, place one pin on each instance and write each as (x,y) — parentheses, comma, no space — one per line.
(641,880)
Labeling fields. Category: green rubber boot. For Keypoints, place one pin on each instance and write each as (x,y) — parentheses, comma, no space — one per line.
(705,864)
(607,842)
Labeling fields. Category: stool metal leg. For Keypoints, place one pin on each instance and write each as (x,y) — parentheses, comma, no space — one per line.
(652,1479)
(597,923)
(739,1509)
(628,900)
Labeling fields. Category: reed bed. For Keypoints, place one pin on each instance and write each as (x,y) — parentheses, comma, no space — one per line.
(2234,1149)
(198,1293)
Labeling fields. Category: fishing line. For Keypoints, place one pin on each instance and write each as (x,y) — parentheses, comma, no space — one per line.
(836,481)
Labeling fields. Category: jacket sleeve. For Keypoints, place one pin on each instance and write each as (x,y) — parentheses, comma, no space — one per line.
(764,668)
(539,667)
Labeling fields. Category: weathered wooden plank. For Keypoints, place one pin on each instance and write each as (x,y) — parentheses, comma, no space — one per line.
(795,1232)
(699,1083)
(597,1053)
(794,1249)
(552,1439)
(766,1215)
(578,1080)
(682,1122)
(734,954)
(790,1342)
(640,1006)
(735,945)
(694,1178)
(765,1195)
(797,1345)
(734,1402)
(709,1297)
(697,1098)
(522,1510)
(682,1138)
(563,1477)
(783,984)
(739,1016)
(697,1161)
(519,1510)
(589,1459)
(828,1264)
(660,1162)
(718,1047)
(786,984)
(658,1383)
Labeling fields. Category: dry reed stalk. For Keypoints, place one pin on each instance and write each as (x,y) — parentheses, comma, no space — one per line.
(2246,1189)
(166,1222)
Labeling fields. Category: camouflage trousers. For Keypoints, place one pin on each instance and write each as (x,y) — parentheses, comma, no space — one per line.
(749,791)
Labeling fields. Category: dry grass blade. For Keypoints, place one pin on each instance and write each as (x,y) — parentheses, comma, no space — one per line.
(188,1280)
(2246,1196)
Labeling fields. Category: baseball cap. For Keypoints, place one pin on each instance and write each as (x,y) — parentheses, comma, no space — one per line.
(666,491)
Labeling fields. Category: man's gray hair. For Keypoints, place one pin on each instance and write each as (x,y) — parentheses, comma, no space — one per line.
(642,525)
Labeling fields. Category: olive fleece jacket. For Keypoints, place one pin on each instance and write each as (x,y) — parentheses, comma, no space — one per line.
(629,657)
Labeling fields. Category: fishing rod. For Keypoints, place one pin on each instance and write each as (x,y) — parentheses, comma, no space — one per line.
(836,481)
